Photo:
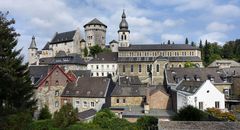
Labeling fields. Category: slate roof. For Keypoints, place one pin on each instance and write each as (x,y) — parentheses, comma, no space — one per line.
(151,59)
(129,80)
(105,57)
(33,44)
(82,73)
(88,87)
(68,59)
(38,73)
(175,75)
(232,63)
(63,37)
(130,91)
(137,111)
(86,114)
(113,41)
(46,60)
(198,125)
(46,47)
(95,21)
(190,87)
(152,47)
(232,71)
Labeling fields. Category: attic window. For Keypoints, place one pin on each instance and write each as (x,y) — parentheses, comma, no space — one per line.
(77,92)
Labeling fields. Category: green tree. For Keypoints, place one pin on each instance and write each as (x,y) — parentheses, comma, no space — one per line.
(217,113)
(193,44)
(186,40)
(168,42)
(190,113)
(189,65)
(66,116)
(207,52)
(103,118)
(95,50)
(16,92)
(85,52)
(45,113)
(147,123)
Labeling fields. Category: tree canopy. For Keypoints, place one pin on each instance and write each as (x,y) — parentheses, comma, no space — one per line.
(16,91)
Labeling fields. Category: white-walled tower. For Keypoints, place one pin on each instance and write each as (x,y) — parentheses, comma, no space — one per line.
(123,32)
(32,52)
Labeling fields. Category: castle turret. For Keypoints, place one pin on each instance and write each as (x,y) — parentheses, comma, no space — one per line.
(32,52)
(123,32)
(95,33)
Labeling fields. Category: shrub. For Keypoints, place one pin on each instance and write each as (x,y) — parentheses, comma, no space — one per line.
(45,113)
(103,118)
(190,113)
(147,122)
(217,113)
(66,116)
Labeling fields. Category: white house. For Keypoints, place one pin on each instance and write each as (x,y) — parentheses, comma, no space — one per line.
(103,64)
(200,94)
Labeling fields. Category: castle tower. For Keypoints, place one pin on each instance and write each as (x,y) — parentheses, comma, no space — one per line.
(123,32)
(32,52)
(95,33)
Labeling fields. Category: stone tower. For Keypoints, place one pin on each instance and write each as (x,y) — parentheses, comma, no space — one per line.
(95,33)
(123,32)
(32,52)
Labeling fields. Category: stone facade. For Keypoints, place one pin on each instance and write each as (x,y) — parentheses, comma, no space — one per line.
(159,100)
(50,89)
(125,101)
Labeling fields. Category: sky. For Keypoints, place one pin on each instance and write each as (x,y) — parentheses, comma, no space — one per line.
(150,21)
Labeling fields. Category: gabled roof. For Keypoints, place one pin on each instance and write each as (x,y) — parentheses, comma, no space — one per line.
(63,37)
(152,47)
(95,21)
(50,73)
(37,73)
(113,41)
(82,40)
(190,87)
(129,91)
(46,47)
(88,87)
(105,57)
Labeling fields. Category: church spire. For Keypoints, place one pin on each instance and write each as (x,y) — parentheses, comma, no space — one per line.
(33,44)
(123,26)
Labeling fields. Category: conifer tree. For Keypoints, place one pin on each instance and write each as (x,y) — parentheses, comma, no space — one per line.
(16,92)
(186,40)
(168,42)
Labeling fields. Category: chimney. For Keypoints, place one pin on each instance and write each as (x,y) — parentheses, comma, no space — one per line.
(146,108)
(76,82)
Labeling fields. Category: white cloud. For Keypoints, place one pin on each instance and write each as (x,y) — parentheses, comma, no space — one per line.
(213,37)
(226,11)
(177,38)
(173,23)
(219,27)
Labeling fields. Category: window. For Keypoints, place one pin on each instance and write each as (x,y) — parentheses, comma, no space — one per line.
(139,68)
(131,68)
(124,68)
(124,100)
(96,66)
(65,101)
(97,74)
(77,103)
(200,105)
(107,66)
(113,66)
(46,83)
(85,104)
(117,101)
(57,93)
(157,67)
(102,66)
(217,104)
(56,82)
(92,104)
(102,74)
(56,103)
(92,66)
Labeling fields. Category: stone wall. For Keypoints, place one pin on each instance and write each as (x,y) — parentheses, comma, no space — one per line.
(128,101)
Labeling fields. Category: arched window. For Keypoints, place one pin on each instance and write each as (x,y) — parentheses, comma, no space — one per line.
(157,68)
(131,68)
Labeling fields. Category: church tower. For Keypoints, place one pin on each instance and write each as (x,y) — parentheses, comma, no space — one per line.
(32,52)
(123,32)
